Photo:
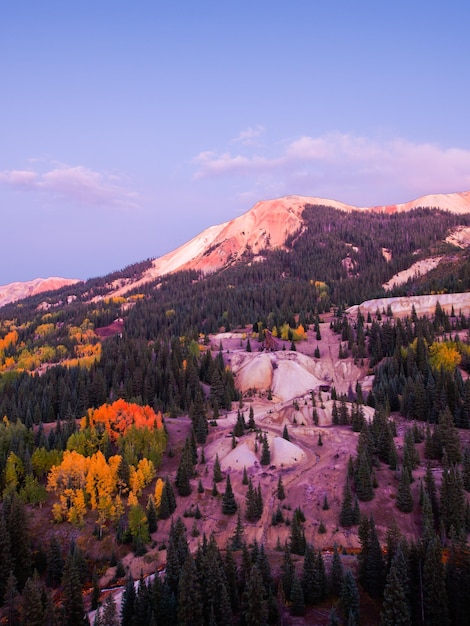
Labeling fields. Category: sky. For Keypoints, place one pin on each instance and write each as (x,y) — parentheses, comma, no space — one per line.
(126,128)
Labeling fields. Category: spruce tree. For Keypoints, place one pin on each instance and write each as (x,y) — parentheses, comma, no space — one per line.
(254,604)
(350,599)
(404,499)
(265,453)
(189,595)
(128,603)
(217,470)
(185,471)
(287,573)
(229,505)
(435,595)
(346,516)
(281,494)
(73,609)
(396,610)
(297,597)
(337,574)
(449,436)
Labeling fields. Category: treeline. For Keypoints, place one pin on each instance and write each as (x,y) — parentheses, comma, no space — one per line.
(165,376)
(419,375)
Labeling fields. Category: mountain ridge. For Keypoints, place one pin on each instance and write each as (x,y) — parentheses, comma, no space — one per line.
(265,226)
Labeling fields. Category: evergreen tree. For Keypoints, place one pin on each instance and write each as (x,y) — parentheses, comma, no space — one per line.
(254,604)
(151,512)
(6,562)
(189,597)
(285,433)
(337,574)
(33,609)
(128,603)
(281,494)
(237,537)
(297,597)
(364,489)
(265,452)
(73,609)
(350,599)
(346,516)
(396,609)
(229,505)
(449,436)
(245,477)
(185,471)
(452,501)
(251,419)
(287,573)
(297,536)
(404,498)
(217,470)
(435,596)
(458,580)
(110,616)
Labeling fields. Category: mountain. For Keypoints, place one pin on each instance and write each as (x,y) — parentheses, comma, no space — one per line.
(19,290)
(267,226)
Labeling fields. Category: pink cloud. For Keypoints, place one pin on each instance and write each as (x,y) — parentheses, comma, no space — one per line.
(343,164)
(74,183)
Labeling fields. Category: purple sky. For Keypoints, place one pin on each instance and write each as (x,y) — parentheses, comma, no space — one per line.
(127,128)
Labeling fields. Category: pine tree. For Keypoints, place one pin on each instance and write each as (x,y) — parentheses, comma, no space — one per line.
(189,595)
(151,512)
(337,574)
(110,616)
(297,541)
(297,597)
(435,596)
(281,494)
(33,609)
(245,476)
(285,433)
(452,501)
(254,605)
(6,562)
(449,436)
(229,505)
(310,580)
(265,453)
(346,516)
(73,609)
(287,573)
(251,419)
(350,599)
(185,471)
(364,489)
(237,537)
(128,603)
(396,610)
(217,470)
(404,498)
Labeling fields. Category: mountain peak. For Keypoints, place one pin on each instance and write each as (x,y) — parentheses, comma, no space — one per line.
(267,225)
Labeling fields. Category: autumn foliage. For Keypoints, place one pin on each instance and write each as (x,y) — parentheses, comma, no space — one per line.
(118,417)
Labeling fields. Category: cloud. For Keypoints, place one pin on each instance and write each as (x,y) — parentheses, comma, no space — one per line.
(74,183)
(249,136)
(366,170)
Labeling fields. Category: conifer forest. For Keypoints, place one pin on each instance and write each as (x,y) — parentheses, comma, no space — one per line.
(148,477)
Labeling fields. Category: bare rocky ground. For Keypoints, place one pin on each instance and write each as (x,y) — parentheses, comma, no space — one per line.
(309,471)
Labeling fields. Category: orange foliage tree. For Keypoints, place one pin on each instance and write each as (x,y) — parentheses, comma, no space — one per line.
(120,416)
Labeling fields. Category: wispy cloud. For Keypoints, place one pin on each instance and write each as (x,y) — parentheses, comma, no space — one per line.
(249,136)
(74,183)
(338,163)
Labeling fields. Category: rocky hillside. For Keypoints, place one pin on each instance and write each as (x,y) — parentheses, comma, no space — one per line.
(267,226)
